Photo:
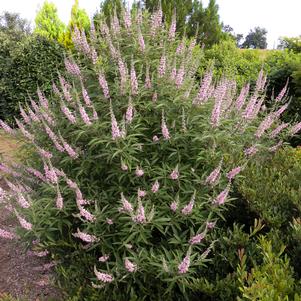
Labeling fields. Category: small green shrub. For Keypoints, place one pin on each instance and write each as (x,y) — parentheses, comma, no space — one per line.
(284,66)
(230,61)
(271,186)
(272,280)
(220,280)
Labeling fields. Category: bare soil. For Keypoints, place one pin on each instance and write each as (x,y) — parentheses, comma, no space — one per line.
(22,275)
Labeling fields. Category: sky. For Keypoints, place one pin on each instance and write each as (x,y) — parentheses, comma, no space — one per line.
(279,17)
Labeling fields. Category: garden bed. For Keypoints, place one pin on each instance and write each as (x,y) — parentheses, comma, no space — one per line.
(21,274)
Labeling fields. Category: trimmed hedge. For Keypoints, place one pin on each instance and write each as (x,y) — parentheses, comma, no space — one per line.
(25,65)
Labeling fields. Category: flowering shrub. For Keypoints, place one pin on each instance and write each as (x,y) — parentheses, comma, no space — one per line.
(132,161)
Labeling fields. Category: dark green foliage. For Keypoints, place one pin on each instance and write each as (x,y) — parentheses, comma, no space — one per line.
(265,200)
(25,65)
(285,66)
(183,9)
(293,44)
(252,267)
(272,187)
(264,271)
(14,26)
(256,39)
(94,180)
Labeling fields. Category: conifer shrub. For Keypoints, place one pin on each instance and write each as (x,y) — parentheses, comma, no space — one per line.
(132,160)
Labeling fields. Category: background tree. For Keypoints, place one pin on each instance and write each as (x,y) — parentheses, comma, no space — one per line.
(196,17)
(236,37)
(227,28)
(293,44)
(107,7)
(80,19)
(239,38)
(192,17)
(14,26)
(211,28)
(183,10)
(48,23)
(256,39)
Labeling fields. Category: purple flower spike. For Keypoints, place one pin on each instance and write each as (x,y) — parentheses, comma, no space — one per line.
(139,172)
(174,175)
(130,267)
(174,206)
(221,198)
(183,267)
(188,208)
(155,187)
(162,66)
(172,28)
(134,82)
(235,171)
(214,176)
(104,85)
(197,239)
(103,277)
(164,128)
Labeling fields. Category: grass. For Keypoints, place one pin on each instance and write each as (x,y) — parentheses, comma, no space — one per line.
(9,148)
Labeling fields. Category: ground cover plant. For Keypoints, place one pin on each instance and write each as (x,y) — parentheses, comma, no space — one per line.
(131,162)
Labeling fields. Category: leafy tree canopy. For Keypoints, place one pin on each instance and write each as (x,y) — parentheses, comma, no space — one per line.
(256,39)
(48,23)
(79,17)
(293,44)
(107,7)
(199,21)
(13,25)
(183,9)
